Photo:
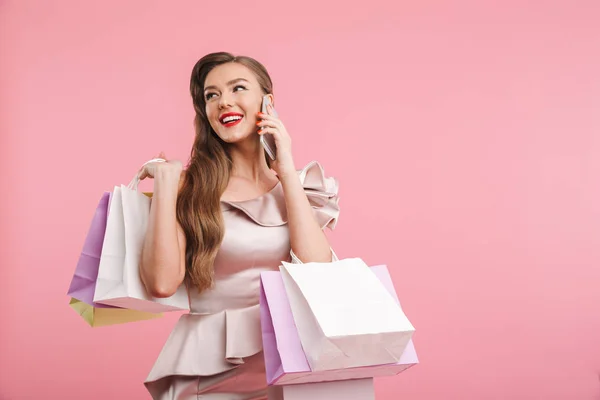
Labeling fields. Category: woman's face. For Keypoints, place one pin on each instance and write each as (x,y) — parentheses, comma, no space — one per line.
(233,98)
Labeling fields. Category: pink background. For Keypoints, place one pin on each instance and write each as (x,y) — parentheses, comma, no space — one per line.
(466,138)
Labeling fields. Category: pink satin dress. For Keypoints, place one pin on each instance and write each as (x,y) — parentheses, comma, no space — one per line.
(215,351)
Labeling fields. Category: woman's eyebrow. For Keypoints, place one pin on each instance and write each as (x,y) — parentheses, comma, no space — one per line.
(231,82)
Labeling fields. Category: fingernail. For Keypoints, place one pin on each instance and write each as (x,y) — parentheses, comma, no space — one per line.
(258,123)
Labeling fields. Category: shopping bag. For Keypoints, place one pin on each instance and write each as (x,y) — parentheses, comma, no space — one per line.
(285,361)
(344,315)
(83,283)
(356,389)
(119,283)
(97,315)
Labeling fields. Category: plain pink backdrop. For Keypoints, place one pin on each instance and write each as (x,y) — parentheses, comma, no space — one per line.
(466,136)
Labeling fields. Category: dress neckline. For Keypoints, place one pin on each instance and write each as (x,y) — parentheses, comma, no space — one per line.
(269,209)
(270,191)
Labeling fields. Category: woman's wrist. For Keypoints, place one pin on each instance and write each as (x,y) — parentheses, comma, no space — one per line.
(166,181)
(287,169)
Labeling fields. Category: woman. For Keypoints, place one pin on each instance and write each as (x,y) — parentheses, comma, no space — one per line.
(217,225)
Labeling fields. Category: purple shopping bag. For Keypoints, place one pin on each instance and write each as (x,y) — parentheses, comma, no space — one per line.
(83,282)
(285,360)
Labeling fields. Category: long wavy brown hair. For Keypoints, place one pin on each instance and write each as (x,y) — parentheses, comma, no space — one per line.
(207,175)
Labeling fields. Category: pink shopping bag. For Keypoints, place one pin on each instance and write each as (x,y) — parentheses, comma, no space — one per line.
(354,389)
(285,360)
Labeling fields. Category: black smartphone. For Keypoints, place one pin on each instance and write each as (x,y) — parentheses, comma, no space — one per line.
(267,140)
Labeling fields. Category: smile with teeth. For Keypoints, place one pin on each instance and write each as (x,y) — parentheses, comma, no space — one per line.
(231,120)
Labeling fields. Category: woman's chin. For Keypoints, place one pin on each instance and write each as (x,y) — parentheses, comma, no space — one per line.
(241,137)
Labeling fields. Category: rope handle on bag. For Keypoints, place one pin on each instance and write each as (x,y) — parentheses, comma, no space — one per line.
(133,185)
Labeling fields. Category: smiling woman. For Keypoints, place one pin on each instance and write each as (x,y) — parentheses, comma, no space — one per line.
(216,226)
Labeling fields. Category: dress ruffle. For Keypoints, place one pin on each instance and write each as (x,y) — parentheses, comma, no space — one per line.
(206,345)
(321,191)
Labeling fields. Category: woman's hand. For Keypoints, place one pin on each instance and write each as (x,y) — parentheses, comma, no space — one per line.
(156,168)
(270,124)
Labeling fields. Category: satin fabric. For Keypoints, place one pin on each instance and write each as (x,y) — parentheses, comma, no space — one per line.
(215,351)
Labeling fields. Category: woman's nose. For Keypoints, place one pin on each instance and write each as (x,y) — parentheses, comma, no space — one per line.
(224,102)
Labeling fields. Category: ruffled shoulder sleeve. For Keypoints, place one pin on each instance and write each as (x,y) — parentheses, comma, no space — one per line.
(322,194)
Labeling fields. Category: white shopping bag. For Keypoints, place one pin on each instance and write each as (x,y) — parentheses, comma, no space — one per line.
(119,283)
(344,315)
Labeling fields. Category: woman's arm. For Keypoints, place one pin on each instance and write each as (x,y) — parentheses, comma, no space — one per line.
(309,242)
(162,266)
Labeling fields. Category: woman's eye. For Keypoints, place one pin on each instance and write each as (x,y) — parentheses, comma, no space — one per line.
(239,86)
(209,96)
